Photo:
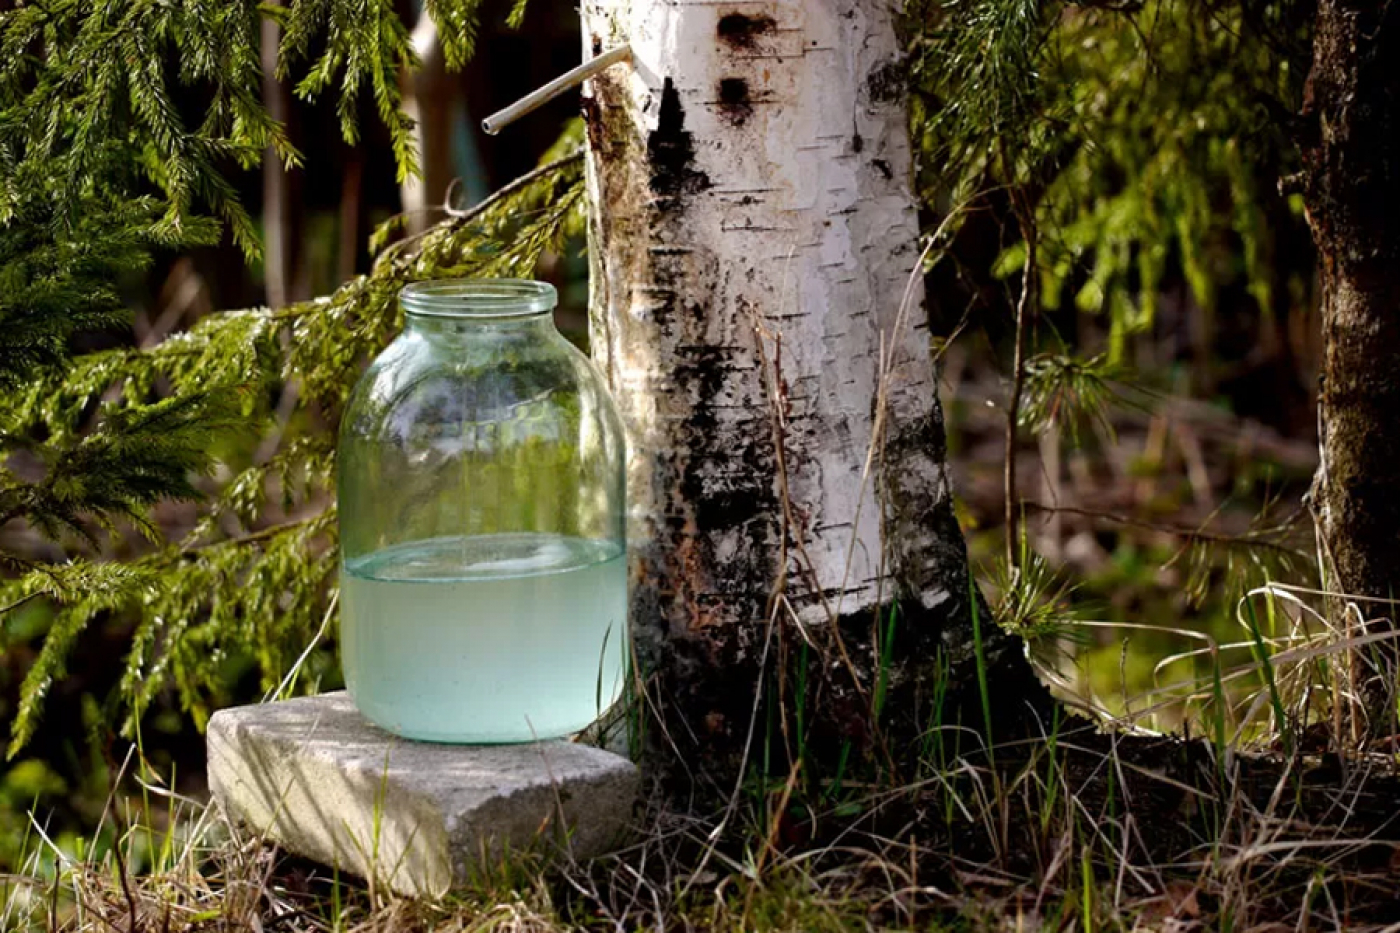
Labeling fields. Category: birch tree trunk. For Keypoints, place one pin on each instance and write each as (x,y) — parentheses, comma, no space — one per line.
(1351,186)
(752,236)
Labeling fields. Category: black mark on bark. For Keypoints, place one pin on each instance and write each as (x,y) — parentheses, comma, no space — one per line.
(671,150)
(885,84)
(742,32)
(727,478)
(734,102)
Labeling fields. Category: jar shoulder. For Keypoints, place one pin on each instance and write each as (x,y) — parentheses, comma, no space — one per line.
(419,381)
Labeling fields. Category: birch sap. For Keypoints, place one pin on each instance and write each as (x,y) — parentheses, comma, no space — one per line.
(492,638)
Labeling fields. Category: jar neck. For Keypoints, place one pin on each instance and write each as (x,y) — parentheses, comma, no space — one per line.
(447,327)
(477,306)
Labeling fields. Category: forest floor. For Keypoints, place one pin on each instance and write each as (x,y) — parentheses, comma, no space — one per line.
(1147,531)
(1079,830)
(1174,544)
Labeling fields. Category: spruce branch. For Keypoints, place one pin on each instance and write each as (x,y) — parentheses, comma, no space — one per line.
(261,535)
(109,452)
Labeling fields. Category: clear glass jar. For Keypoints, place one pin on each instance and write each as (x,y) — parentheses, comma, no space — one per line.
(482,509)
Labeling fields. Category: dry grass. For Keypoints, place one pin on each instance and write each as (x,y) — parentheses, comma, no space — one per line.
(1079,830)
(1282,817)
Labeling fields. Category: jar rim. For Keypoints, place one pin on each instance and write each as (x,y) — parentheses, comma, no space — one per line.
(479,299)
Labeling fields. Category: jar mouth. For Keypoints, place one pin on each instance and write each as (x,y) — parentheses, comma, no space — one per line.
(479,299)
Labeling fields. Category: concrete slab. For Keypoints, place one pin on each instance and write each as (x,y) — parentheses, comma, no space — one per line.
(315,776)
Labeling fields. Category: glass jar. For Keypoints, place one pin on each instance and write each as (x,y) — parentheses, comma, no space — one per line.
(482,509)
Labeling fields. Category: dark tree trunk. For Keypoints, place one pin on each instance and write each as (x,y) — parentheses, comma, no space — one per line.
(1351,154)
(285,271)
(430,98)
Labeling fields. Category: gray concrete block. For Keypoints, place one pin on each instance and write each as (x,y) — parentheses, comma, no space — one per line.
(315,776)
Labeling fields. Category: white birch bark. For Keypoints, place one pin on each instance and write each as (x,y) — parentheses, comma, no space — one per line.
(749,182)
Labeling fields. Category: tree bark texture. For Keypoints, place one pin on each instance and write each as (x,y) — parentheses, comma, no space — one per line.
(1351,154)
(752,236)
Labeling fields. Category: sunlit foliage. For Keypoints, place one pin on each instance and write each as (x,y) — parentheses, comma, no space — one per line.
(103,163)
